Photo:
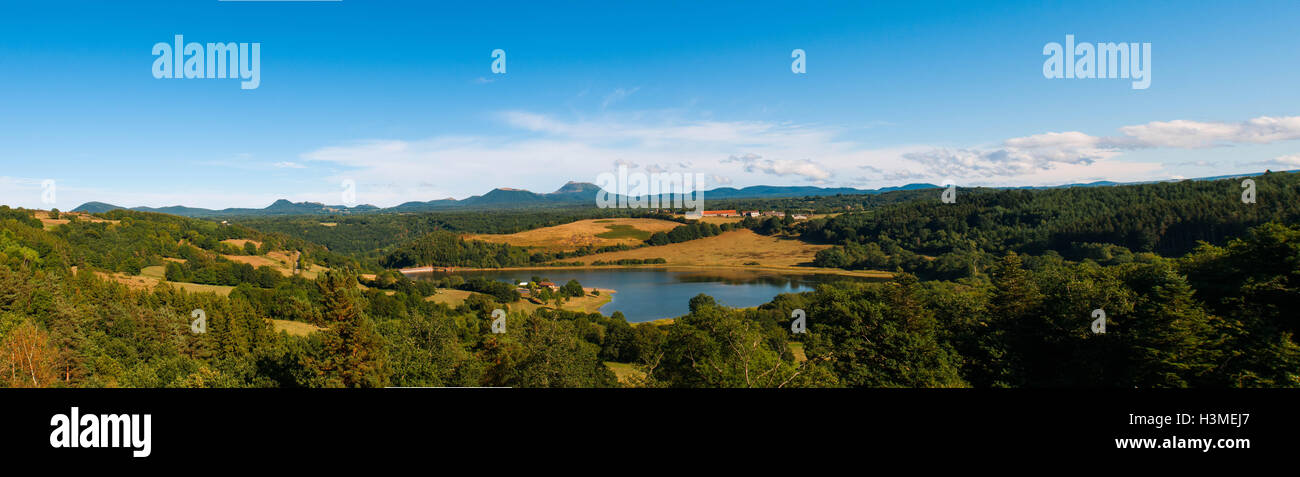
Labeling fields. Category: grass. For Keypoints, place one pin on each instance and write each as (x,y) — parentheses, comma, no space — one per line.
(720,220)
(796,348)
(281,261)
(618,231)
(450,297)
(730,249)
(222,290)
(47,223)
(741,250)
(586,303)
(574,235)
(156,272)
(261,261)
(294,328)
(149,278)
(624,371)
(239,243)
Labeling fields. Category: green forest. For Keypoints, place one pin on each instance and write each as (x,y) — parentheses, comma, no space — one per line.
(998,289)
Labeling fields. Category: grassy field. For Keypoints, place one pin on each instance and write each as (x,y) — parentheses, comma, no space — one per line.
(624,371)
(281,261)
(796,348)
(720,220)
(449,296)
(239,243)
(730,249)
(222,290)
(571,236)
(48,223)
(618,231)
(261,261)
(148,279)
(294,328)
(585,304)
(156,272)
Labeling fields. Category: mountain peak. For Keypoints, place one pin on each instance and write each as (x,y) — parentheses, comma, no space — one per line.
(573,187)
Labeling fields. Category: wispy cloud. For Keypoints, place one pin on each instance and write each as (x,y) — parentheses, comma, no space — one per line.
(803,167)
(616,96)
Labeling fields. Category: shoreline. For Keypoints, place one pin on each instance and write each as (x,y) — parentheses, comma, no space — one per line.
(757,268)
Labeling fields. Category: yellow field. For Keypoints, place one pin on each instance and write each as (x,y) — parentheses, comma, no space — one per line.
(720,220)
(730,249)
(239,243)
(148,282)
(281,261)
(261,261)
(450,297)
(294,328)
(625,372)
(796,348)
(312,272)
(48,223)
(579,234)
(586,304)
(222,290)
(156,272)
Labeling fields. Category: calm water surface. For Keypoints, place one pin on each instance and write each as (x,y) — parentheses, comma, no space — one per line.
(645,294)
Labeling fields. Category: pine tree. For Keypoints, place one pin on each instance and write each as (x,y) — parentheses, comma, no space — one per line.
(352,352)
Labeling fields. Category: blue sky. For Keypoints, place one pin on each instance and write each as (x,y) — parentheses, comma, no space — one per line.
(400,97)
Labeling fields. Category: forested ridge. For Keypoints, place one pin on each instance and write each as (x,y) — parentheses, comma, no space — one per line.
(951,240)
(1197,289)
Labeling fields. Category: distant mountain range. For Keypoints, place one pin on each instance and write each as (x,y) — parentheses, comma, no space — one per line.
(571,194)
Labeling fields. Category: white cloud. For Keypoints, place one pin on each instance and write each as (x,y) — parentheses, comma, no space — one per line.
(781,167)
(1047,151)
(1288,161)
(288,165)
(1198,134)
(540,152)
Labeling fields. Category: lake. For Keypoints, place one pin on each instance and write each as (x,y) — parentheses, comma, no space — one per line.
(645,294)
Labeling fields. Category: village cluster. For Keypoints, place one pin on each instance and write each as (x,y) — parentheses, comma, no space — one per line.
(748,213)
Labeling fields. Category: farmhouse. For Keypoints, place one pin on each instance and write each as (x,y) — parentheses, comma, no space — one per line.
(720,213)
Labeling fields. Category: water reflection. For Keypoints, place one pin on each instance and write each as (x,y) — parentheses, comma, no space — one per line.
(645,294)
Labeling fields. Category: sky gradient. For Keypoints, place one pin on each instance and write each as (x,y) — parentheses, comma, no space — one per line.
(400,97)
